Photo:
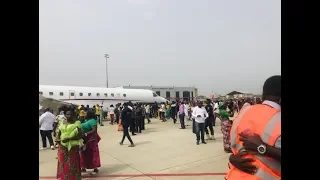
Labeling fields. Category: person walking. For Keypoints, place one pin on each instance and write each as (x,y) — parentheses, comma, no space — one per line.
(148,113)
(126,121)
(46,121)
(181,115)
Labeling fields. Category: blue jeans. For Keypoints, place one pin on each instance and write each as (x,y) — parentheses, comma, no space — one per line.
(181,117)
(200,131)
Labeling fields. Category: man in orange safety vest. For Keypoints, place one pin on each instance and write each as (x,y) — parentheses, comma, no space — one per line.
(256,137)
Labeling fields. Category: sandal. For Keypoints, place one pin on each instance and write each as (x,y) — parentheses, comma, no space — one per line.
(96,171)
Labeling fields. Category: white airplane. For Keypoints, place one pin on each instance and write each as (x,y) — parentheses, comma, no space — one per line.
(97,95)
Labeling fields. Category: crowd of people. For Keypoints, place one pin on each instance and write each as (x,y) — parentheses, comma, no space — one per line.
(76,136)
(76,140)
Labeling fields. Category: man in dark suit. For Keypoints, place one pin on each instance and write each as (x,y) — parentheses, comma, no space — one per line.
(209,121)
(133,126)
(174,111)
(139,117)
(126,122)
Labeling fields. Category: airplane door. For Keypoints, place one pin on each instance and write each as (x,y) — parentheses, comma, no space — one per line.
(72,94)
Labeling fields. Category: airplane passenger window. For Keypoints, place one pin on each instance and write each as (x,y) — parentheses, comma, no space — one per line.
(124,95)
(72,94)
(51,93)
(105,94)
(112,95)
(40,93)
(89,94)
(118,95)
(155,95)
(80,94)
(98,94)
(61,93)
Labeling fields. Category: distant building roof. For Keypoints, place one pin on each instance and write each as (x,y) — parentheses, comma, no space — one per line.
(201,98)
(237,92)
(159,86)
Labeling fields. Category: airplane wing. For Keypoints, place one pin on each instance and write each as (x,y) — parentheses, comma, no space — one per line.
(51,103)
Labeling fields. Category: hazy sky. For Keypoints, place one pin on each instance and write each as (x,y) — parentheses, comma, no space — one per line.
(215,45)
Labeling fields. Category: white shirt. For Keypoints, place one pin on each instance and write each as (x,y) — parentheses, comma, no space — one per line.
(200,111)
(246,104)
(272,104)
(186,108)
(111,110)
(216,106)
(46,121)
(147,108)
(163,108)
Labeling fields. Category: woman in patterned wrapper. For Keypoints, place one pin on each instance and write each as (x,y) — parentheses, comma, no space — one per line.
(90,157)
(68,153)
(226,124)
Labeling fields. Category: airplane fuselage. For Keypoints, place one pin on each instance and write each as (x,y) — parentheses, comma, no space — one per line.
(97,95)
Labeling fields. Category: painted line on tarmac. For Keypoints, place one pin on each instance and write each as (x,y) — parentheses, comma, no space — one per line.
(143,175)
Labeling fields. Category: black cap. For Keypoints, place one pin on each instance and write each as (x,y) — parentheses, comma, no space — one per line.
(272,86)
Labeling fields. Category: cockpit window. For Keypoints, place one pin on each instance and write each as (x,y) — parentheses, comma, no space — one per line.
(155,95)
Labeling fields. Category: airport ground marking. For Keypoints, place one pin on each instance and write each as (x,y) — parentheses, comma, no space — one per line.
(144,175)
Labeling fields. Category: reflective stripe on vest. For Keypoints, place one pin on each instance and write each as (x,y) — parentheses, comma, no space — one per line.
(235,123)
(264,175)
(270,127)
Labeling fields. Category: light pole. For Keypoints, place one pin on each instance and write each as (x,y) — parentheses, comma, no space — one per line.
(106,56)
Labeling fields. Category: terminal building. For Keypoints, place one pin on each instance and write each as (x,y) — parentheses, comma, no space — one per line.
(171,93)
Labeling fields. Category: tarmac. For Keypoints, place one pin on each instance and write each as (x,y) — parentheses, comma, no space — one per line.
(162,152)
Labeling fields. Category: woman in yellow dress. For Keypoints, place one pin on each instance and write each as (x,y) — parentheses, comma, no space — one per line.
(168,109)
(68,153)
